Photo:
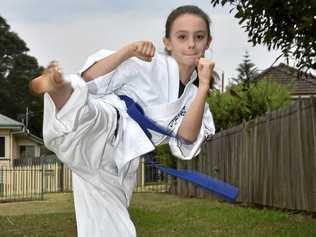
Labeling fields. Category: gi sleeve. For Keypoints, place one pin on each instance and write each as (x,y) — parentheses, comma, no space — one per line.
(187,151)
(113,80)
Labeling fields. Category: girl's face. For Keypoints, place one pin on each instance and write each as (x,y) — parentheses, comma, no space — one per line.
(188,39)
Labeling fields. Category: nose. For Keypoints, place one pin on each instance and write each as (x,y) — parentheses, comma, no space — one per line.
(191,42)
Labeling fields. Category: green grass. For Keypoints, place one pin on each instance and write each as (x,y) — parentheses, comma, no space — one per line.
(54,216)
(167,215)
(160,215)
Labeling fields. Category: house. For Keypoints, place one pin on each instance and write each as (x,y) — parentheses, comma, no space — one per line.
(16,142)
(303,85)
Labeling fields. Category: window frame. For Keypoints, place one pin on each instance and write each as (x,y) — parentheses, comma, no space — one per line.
(2,156)
(26,145)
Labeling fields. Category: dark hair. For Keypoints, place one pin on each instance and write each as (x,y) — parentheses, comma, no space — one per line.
(187,9)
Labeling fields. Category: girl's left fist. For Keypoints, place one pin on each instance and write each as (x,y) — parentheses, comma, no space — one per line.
(205,71)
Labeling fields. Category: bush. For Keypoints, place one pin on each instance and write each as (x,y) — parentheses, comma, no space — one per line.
(240,102)
(165,157)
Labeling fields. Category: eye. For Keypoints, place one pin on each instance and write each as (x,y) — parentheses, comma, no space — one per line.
(200,37)
(181,37)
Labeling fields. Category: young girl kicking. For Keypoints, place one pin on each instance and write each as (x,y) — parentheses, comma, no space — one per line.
(87,121)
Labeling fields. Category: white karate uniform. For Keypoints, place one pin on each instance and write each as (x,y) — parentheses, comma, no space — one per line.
(104,165)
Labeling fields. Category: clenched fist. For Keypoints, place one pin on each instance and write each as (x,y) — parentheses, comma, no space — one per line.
(143,50)
(205,72)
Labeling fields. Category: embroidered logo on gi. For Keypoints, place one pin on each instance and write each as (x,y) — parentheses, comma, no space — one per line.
(174,121)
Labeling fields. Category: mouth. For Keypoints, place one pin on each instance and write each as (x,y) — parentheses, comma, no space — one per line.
(191,55)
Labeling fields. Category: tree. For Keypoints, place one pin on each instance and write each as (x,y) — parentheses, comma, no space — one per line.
(286,25)
(247,71)
(16,70)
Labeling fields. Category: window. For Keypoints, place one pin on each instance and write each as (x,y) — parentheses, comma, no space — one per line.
(27,151)
(2,147)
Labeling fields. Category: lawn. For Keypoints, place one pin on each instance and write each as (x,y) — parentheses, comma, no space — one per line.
(154,215)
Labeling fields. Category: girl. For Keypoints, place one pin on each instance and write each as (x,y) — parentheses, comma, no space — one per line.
(87,124)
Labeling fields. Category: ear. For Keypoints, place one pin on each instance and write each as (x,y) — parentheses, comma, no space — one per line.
(167,43)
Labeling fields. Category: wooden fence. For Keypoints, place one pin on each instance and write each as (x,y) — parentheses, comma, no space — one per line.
(57,178)
(151,179)
(272,159)
(29,179)
(21,183)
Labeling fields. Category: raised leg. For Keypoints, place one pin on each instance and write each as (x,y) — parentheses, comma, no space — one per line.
(52,82)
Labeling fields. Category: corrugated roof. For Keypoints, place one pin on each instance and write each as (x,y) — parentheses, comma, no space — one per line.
(6,122)
(302,84)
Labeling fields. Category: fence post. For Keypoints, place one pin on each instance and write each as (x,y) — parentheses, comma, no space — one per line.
(313,155)
(62,177)
(42,182)
(142,173)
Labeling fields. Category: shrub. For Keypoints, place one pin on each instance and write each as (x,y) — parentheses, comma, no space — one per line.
(240,103)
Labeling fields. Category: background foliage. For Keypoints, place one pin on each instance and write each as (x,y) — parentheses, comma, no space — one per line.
(237,104)
(286,25)
(17,68)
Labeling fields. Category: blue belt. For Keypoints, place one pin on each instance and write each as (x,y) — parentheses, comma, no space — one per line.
(218,187)
(136,112)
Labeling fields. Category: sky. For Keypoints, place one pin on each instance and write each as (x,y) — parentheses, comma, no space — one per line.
(70,30)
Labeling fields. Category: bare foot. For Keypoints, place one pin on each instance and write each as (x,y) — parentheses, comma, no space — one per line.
(50,80)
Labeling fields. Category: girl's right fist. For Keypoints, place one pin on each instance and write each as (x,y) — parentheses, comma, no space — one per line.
(143,50)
